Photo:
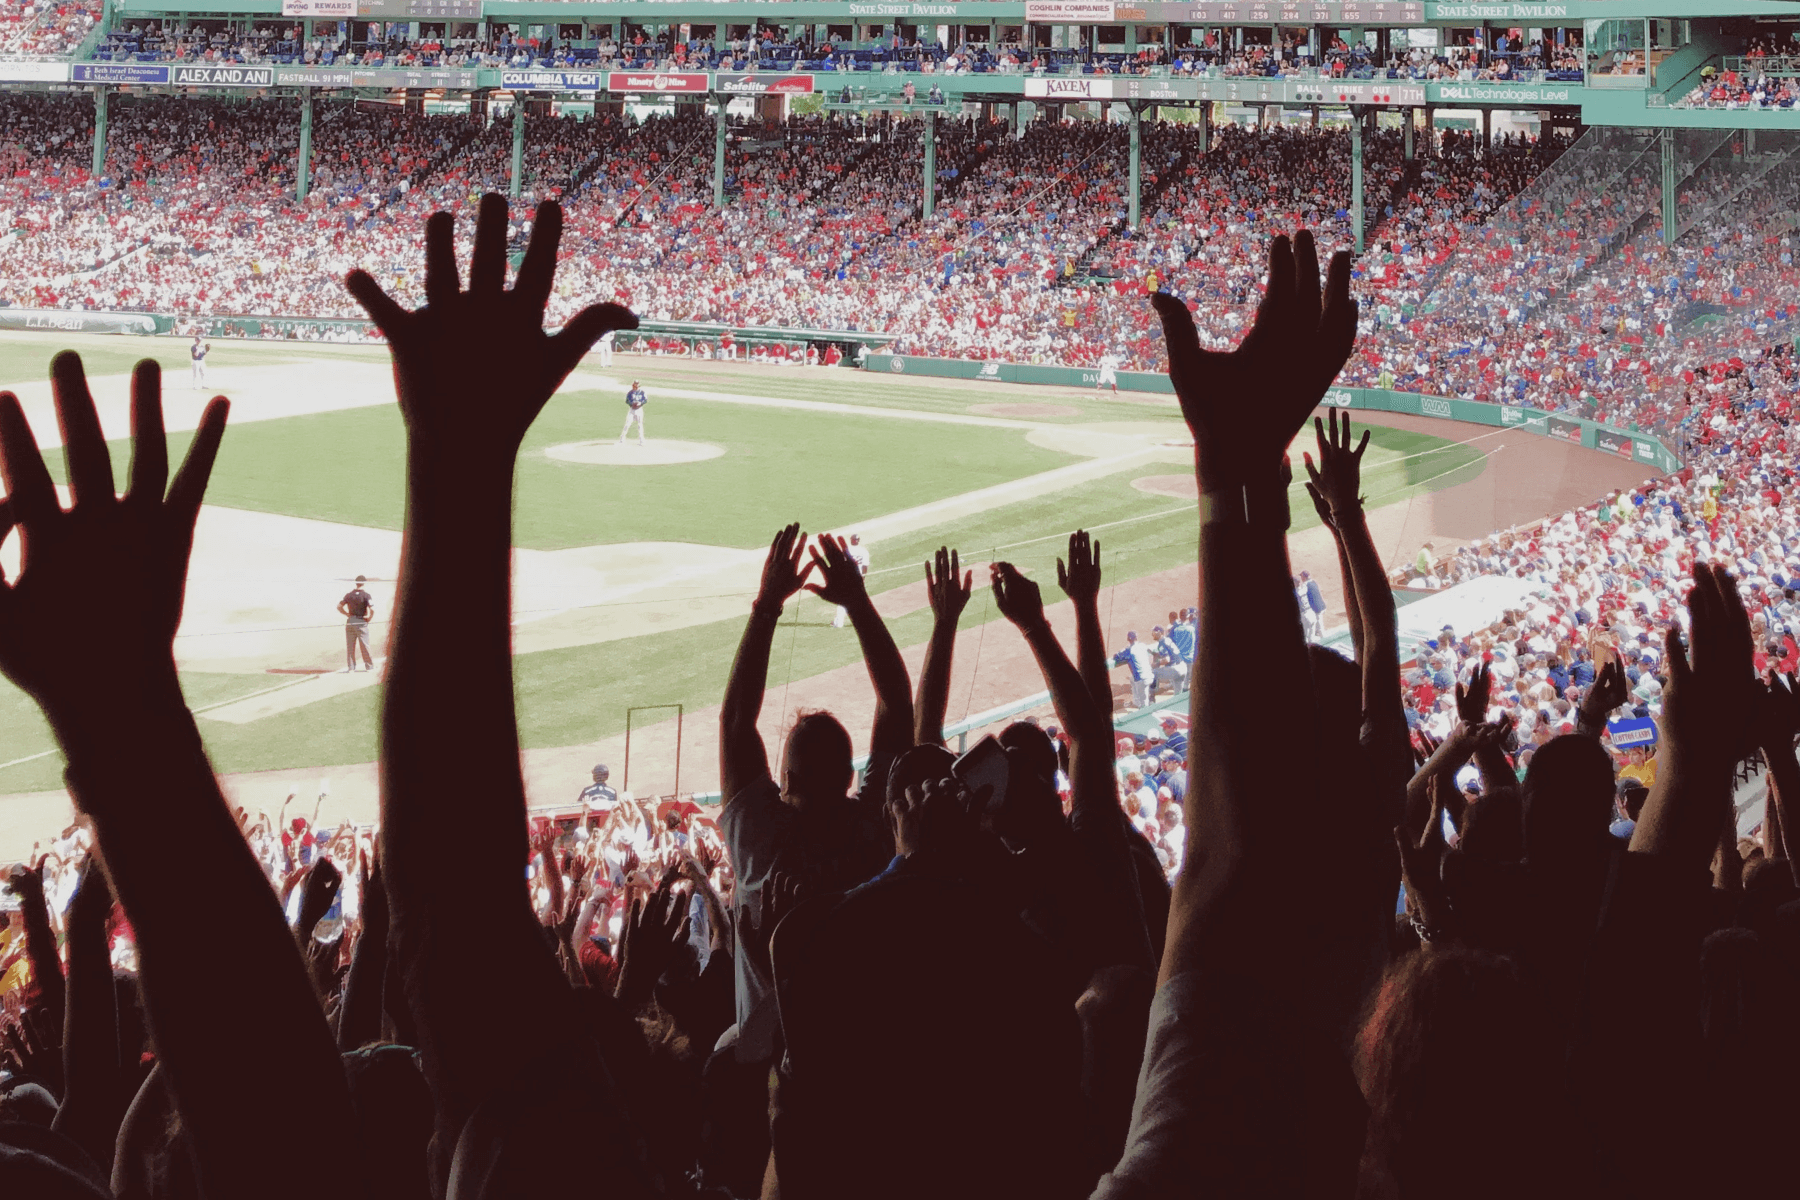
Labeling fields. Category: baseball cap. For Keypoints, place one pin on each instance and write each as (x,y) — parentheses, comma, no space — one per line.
(362,579)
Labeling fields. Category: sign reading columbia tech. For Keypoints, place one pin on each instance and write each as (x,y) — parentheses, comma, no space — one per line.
(553,81)
(177,74)
(646,81)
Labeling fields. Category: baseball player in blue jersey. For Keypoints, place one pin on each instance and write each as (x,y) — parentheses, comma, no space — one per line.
(634,411)
(1135,657)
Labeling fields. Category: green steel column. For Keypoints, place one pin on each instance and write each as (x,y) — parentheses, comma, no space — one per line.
(719,127)
(930,162)
(1356,177)
(99,130)
(1410,117)
(1669,224)
(1205,127)
(518,154)
(1136,163)
(303,172)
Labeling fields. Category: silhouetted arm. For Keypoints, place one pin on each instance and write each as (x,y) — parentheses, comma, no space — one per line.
(948,590)
(451,784)
(844,586)
(91,1104)
(1080,581)
(112,572)
(1095,817)
(743,759)
(1707,710)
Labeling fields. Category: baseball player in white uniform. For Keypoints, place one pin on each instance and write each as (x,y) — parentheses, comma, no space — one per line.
(1109,372)
(634,411)
(605,348)
(859,554)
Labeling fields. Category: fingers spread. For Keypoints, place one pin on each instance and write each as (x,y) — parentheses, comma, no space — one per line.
(588,326)
(1306,275)
(149,473)
(1182,340)
(538,270)
(487,270)
(442,280)
(29,492)
(388,316)
(84,446)
(189,487)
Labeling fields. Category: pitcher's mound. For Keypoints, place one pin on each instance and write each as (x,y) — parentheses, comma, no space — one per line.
(654,453)
(1182,487)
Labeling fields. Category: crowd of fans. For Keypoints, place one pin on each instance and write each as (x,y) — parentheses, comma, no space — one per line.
(1506,272)
(31,29)
(1589,975)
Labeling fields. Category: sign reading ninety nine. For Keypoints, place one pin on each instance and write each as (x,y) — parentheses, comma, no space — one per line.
(635,81)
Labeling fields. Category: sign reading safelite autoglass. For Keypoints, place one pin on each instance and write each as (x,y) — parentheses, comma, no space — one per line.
(649,81)
(764,85)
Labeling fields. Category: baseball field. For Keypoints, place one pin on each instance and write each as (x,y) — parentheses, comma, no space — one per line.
(635,565)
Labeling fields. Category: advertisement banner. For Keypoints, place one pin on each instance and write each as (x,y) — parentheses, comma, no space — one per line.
(1074,87)
(34,72)
(764,85)
(318,8)
(201,75)
(644,81)
(119,73)
(888,8)
(1632,731)
(1068,12)
(1564,429)
(379,77)
(553,81)
(1504,93)
(1495,12)
(1613,442)
(79,322)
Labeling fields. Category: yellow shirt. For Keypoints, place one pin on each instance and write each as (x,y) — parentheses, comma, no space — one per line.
(1644,773)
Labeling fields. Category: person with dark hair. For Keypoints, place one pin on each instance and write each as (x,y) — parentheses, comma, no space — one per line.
(808,826)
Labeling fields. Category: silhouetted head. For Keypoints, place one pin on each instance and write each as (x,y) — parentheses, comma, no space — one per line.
(1459,1072)
(815,768)
(1568,801)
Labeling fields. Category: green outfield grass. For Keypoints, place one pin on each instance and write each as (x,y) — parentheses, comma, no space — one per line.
(822,469)
(826,470)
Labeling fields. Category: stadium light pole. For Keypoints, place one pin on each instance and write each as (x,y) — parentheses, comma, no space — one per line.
(518,154)
(1669,228)
(1356,177)
(720,126)
(1136,159)
(303,173)
(99,130)
(930,163)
